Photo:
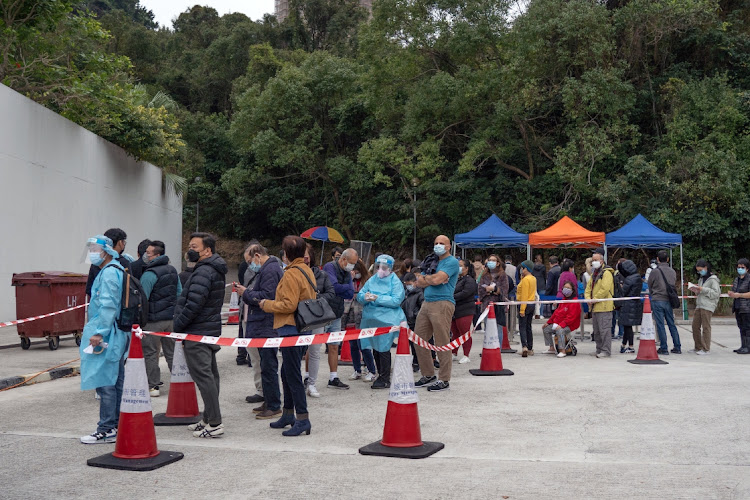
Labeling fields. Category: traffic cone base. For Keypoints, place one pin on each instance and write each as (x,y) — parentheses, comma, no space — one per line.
(108,461)
(481,373)
(378,449)
(163,419)
(506,349)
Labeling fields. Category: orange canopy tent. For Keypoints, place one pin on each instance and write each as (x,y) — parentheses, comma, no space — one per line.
(566,233)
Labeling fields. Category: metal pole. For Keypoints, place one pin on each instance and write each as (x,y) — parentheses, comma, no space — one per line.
(197,209)
(414,248)
(682,287)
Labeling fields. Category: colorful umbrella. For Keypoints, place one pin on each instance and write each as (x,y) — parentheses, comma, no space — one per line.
(323,233)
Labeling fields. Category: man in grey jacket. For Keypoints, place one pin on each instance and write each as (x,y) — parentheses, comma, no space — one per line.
(657,285)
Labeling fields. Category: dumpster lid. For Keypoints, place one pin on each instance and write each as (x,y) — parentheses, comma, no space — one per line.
(48,276)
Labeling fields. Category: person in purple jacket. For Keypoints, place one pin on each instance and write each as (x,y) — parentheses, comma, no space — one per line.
(340,273)
(568,274)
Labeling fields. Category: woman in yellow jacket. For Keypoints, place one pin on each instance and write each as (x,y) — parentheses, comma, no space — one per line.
(601,286)
(526,292)
(293,288)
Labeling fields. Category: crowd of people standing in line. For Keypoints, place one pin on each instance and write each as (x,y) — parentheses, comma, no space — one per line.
(438,298)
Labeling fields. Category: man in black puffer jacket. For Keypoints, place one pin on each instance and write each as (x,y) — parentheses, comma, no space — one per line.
(198,311)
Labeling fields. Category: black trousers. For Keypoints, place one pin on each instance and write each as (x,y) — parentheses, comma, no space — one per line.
(627,336)
(383,362)
(524,327)
(269,376)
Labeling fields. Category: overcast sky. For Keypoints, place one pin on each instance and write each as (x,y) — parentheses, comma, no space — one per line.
(166,10)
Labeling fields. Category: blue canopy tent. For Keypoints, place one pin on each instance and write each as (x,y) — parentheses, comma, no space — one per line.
(641,233)
(492,233)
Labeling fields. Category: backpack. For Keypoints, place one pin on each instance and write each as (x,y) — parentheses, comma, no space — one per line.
(617,289)
(134,303)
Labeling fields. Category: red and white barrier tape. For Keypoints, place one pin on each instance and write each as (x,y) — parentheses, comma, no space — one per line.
(584,301)
(34,318)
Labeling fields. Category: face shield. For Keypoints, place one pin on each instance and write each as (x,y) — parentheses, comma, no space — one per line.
(96,249)
(384,265)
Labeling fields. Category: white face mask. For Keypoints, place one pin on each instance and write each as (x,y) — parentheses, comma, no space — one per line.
(349,267)
(357,276)
(596,264)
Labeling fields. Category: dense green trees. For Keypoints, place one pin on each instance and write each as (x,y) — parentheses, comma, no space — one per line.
(594,109)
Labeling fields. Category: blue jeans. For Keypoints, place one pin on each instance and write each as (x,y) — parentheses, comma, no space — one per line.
(662,310)
(269,375)
(615,320)
(366,354)
(291,378)
(109,405)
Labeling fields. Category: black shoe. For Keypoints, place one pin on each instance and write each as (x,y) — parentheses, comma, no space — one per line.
(439,386)
(622,349)
(436,364)
(425,381)
(380,384)
(337,384)
(415,368)
(255,398)
(676,351)
(241,360)
(663,352)
(743,350)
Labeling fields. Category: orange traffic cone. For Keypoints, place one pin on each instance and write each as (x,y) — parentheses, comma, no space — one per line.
(402,435)
(346,354)
(135,448)
(647,344)
(234,308)
(492,360)
(182,406)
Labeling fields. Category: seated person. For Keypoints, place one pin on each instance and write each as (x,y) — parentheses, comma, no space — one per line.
(565,319)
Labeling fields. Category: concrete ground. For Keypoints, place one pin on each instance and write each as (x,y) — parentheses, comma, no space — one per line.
(578,427)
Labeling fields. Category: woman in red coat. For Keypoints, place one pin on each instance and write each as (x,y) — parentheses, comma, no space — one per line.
(565,319)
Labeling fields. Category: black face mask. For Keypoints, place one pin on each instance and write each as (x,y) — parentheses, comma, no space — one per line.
(193,256)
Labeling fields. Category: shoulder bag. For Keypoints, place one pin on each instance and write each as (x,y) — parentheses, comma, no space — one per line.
(312,313)
(674,299)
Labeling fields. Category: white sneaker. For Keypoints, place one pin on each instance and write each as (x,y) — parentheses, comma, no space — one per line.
(210,431)
(312,391)
(455,357)
(561,354)
(355,376)
(464,360)
(154,392)
(369,377)
(96,396)
(100,437)
(701,353)
(197,426)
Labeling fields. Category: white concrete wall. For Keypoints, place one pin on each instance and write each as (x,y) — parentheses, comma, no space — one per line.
(60,184)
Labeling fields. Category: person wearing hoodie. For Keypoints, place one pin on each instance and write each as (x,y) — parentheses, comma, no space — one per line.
(381,298)
(631,311)
(258,323)
(198,310)
(707,297)
(564,320)
(411,305)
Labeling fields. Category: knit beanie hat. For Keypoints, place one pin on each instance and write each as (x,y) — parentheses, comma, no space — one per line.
(528,265)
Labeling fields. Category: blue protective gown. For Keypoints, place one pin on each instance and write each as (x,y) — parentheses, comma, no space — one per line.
(101,370)
(385,311)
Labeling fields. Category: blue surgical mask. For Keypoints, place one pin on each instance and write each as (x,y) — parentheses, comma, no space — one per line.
(96,258)
(702,272)
(567,292)
(491,265)
(741,271)
(439,249)
(254,267)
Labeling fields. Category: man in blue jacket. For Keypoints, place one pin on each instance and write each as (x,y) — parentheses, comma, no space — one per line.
(340,273)
(260,324)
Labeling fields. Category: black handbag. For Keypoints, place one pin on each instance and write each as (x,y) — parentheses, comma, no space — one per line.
(312,313)
(674,299)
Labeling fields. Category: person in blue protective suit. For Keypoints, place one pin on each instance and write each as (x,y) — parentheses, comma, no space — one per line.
(382,296)
(103,345)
